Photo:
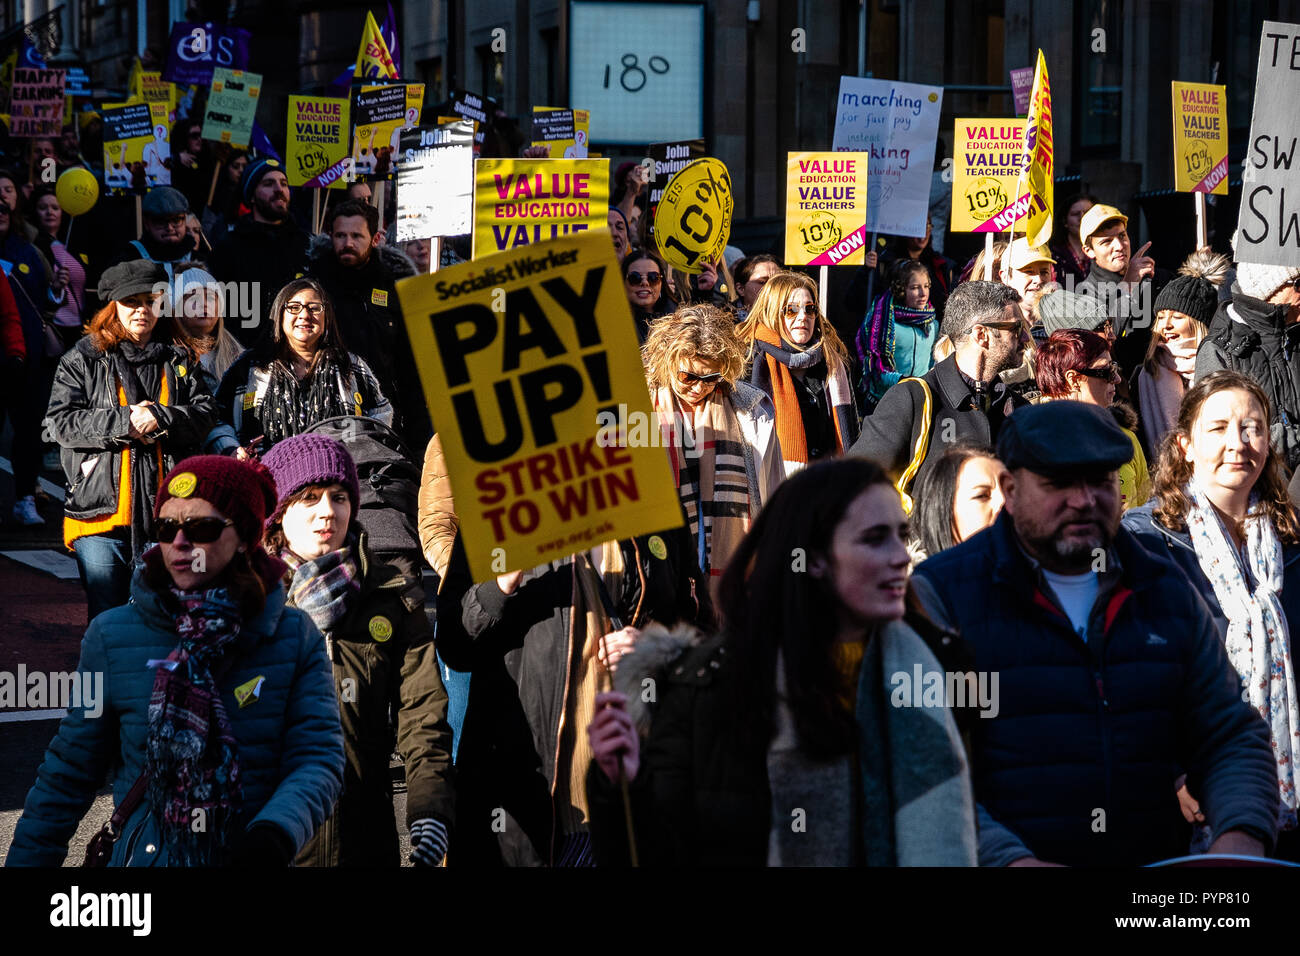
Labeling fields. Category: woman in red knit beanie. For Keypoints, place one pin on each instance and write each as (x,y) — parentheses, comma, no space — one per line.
(219,699)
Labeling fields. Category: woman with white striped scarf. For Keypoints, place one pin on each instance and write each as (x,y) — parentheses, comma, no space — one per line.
(1222,513)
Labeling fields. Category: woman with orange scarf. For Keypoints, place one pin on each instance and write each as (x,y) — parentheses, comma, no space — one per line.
(800,362)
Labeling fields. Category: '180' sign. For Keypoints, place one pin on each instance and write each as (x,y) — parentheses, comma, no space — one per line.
(693,221)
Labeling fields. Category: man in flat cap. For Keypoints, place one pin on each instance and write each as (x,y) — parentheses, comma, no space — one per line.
(163,238)
(1111,678)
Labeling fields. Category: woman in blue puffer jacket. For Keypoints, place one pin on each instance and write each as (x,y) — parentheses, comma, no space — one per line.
(214,694)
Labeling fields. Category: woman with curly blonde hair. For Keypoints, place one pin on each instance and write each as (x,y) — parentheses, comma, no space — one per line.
(1222,513)
(720,432)
(799,361)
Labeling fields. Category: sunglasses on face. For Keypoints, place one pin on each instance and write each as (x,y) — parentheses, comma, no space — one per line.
(649,278)
(691,378)
(295,308)
(1003,326)
(197,530)
(793,310)
(1105,373)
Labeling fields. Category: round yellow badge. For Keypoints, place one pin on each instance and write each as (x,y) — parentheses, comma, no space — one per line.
(182,485)
(24,268)
(381,628)
(180,371)
(356,397)
(657,547)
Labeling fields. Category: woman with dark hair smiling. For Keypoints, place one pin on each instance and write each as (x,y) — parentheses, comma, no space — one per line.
(1222,513)
(299,375)
(791,713)
(645,280)
(957,496)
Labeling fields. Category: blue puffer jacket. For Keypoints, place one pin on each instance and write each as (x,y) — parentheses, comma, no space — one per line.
(1177,546)
(1078,766)
(290,742)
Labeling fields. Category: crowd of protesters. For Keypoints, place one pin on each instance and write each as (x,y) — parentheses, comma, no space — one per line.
(1066,488)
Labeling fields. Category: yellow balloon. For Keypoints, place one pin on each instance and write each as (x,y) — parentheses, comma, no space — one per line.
(77,190)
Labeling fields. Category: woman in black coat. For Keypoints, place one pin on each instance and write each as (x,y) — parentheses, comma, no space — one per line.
(126,405)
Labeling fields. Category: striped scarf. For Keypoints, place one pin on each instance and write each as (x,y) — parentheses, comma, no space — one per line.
(325,587)
(707,452)
(191,755)
(875,340)
(773,375)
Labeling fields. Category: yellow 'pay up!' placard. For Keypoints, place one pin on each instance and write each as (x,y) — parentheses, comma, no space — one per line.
(519,354)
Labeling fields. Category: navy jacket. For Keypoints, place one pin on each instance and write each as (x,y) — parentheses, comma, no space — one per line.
(1177,546)
(290,742)
(1078,766)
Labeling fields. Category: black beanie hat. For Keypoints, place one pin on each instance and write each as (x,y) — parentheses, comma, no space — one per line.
(1190,295)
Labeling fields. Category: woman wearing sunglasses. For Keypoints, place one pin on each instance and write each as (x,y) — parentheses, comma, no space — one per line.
(798,360)
(299,375)
(1077,365)
(127,403)
(645,280)
(217,700)
(381,647)
(720,432)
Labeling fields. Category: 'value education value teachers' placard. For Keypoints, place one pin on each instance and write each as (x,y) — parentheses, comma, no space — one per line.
(825,209)
(987,156)
(1200,138)
(522,201)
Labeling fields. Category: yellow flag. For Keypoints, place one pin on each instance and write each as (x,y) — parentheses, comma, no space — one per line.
(373,59)
(1038,164)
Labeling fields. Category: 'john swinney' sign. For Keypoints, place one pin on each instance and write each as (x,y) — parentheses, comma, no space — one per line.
(518,202)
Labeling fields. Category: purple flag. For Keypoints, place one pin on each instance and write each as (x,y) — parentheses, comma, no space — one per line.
(262,143)
(196,48)
(388,30)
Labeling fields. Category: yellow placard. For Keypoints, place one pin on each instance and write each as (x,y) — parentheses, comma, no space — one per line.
(693,219)
(825,209)
(530,366)
(518,202)
(317,135)
(575,148)
(986,165)
(1200,138)
(1039,159)
(135,146)
(377,140)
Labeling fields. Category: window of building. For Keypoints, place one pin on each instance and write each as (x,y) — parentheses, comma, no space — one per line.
(430,73)
(551,63)
(1099,75)
(492,72)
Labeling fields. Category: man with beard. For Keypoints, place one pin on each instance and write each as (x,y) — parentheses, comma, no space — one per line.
(360,274)
(962,397)
(163,238)
(266,247)
(1109,679)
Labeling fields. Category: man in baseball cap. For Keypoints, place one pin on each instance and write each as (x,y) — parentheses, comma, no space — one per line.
(1027,268)
(1111,678)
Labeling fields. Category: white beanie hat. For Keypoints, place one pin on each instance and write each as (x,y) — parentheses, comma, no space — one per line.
(189,280)
(1260,282)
